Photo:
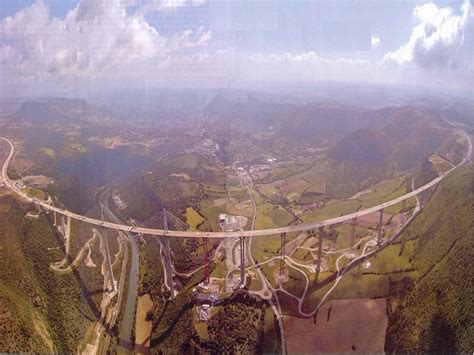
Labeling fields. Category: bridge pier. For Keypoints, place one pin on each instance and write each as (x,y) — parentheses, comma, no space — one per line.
(63,226)
(242,261)
(206,261)
(353,231)
(167,250)
(379,232)
(282,254)
(320,250)
(109,262)
(167,253)
(403,212)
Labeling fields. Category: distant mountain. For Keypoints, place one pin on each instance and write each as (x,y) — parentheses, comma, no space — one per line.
(51,110)
(415,133)
(433,313)
(412,130)
(361,147)
(461,113)
(391,140)
(248,112)
(357,161)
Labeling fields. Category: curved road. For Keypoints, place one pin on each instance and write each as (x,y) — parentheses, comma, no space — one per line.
(237,234)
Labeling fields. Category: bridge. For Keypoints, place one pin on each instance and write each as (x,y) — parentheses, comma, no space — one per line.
(182,232)
(219,235)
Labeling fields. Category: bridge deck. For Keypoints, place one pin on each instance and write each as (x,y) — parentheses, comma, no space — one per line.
(250,233)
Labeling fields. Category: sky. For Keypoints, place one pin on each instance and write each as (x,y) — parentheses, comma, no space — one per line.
(79,47)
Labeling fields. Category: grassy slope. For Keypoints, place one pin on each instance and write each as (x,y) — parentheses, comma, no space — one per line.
(435,313)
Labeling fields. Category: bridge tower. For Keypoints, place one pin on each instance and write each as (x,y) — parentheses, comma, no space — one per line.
(165,221)
(379,232)
(206,261)
(282,255)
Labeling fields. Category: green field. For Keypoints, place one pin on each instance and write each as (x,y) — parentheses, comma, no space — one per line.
(46,151)
(193,218)
(331,209)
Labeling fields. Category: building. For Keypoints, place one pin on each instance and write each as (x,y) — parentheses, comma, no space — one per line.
(202,298)
(222,218)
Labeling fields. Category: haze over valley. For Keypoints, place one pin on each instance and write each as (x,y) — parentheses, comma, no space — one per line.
(181,190)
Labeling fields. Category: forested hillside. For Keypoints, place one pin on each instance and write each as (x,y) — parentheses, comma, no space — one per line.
(40,310)
(435,312)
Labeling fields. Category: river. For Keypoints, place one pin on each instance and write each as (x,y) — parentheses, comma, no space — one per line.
(126,325)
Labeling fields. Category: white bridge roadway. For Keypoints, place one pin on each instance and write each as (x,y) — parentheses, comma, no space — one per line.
(249,233)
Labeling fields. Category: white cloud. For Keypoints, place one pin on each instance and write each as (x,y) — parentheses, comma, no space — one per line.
(305,66)
(99,43)
(96,38)
(375,41)
(190,39)
(151,6)
(434,43)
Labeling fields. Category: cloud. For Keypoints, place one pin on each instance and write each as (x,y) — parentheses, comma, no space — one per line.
(151,6)
(375,41)
(96,38)
(435,42)
(304,66)
(190,39)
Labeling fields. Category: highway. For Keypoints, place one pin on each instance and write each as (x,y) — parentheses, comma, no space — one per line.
(248,233)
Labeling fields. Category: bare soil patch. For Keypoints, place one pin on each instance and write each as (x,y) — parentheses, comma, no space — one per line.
(294,186)
(372,220)
(341,326)
(142,326)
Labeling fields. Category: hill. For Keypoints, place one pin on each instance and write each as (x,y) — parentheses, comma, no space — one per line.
(361,147)
(50,110)
(40,310)
(434,312)
(414,132)
(176,182)
(400,139)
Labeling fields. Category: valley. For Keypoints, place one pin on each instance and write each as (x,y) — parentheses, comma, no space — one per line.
(193,236)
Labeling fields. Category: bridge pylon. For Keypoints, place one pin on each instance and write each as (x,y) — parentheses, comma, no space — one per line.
(165,221)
